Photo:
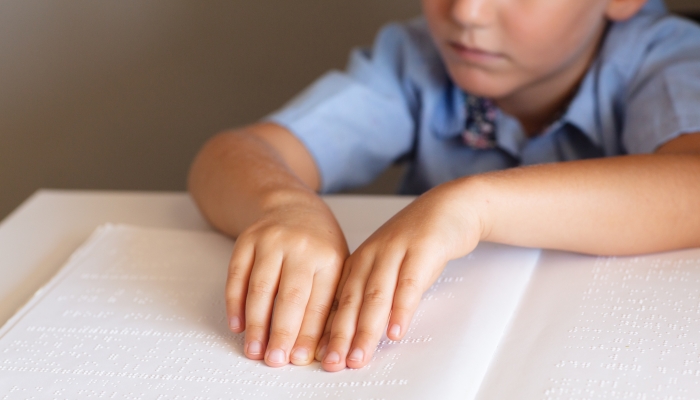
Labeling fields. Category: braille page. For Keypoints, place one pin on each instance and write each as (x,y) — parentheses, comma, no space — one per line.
(139,313)
(604,328)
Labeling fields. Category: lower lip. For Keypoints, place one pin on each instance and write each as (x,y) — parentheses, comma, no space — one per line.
(473,55)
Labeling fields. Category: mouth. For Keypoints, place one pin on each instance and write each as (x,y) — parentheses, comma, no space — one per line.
(474,54)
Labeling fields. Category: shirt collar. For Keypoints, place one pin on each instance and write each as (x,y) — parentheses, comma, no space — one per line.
(451,113)
(581,112)
(655,5)
(509,134)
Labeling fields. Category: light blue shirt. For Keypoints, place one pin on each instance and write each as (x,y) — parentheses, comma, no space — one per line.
(396,102)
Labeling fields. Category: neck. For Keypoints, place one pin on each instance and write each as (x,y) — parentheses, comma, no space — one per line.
(539,104)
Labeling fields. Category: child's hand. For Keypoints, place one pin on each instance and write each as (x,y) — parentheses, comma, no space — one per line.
(386,276)
(289,260)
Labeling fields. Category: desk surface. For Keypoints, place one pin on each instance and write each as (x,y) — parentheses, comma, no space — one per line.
(38,237)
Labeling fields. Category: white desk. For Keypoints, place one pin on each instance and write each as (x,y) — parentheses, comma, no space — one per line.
(536,353)
(38,237)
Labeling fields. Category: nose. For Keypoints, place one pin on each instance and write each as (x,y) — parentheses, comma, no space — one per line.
(473,13)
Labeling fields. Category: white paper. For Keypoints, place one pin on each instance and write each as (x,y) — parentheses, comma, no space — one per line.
(139,313)
(604,328)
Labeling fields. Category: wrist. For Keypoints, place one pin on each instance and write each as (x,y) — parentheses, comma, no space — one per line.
(301,208)
(473,196)
(272,200)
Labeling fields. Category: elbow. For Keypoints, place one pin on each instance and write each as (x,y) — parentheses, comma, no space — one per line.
(201,167)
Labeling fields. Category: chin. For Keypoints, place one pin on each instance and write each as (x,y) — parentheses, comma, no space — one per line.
(480,82)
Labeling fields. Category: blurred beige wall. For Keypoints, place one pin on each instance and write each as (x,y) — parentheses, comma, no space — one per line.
(121,94)
(689,6)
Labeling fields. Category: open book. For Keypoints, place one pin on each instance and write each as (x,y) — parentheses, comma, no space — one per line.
(139,313)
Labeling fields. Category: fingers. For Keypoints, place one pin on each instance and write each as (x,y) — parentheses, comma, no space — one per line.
(262,289)
(376,307)
(364,308)
(418,272)
(292,296)
(237,283)
(316,315)
(345,319)
(380,287)
(299,292)
(388,288)
(323,343)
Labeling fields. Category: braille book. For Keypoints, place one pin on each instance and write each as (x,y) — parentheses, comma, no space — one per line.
(139,313)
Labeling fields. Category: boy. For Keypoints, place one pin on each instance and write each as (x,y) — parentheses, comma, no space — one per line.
(611,86)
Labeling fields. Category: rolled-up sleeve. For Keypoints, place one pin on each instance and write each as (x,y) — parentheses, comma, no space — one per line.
(663,101)
(357,122)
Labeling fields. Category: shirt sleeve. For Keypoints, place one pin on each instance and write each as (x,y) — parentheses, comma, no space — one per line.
(663,101)
(356,123)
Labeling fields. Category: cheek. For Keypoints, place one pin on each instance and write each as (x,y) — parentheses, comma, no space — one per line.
(543,42)
(436,13)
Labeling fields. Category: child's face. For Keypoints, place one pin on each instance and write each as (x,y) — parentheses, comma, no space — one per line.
(494,48)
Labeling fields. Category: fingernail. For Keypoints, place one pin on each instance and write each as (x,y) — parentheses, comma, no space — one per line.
(300,354)
(357,355)
(254,348)
(234,323)
(395,330)
(276,356)
(332,358)
(322,352)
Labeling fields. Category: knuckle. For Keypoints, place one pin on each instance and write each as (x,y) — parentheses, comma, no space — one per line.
(402,309)
(274,231)
(319,309)
(283,333)
(272,234)
(364,333)
(362,253)
(242,239)
(347,300)
(331,259)
(293,296)
(252,326)
(304,242)
(307,338)
(348,265)
(394,245)
(339,336)
(410,284)
(236,273)
(261,288)
(233,297)
(375,296)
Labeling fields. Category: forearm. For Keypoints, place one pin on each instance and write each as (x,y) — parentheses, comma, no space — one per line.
(238,176)
(619,205)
